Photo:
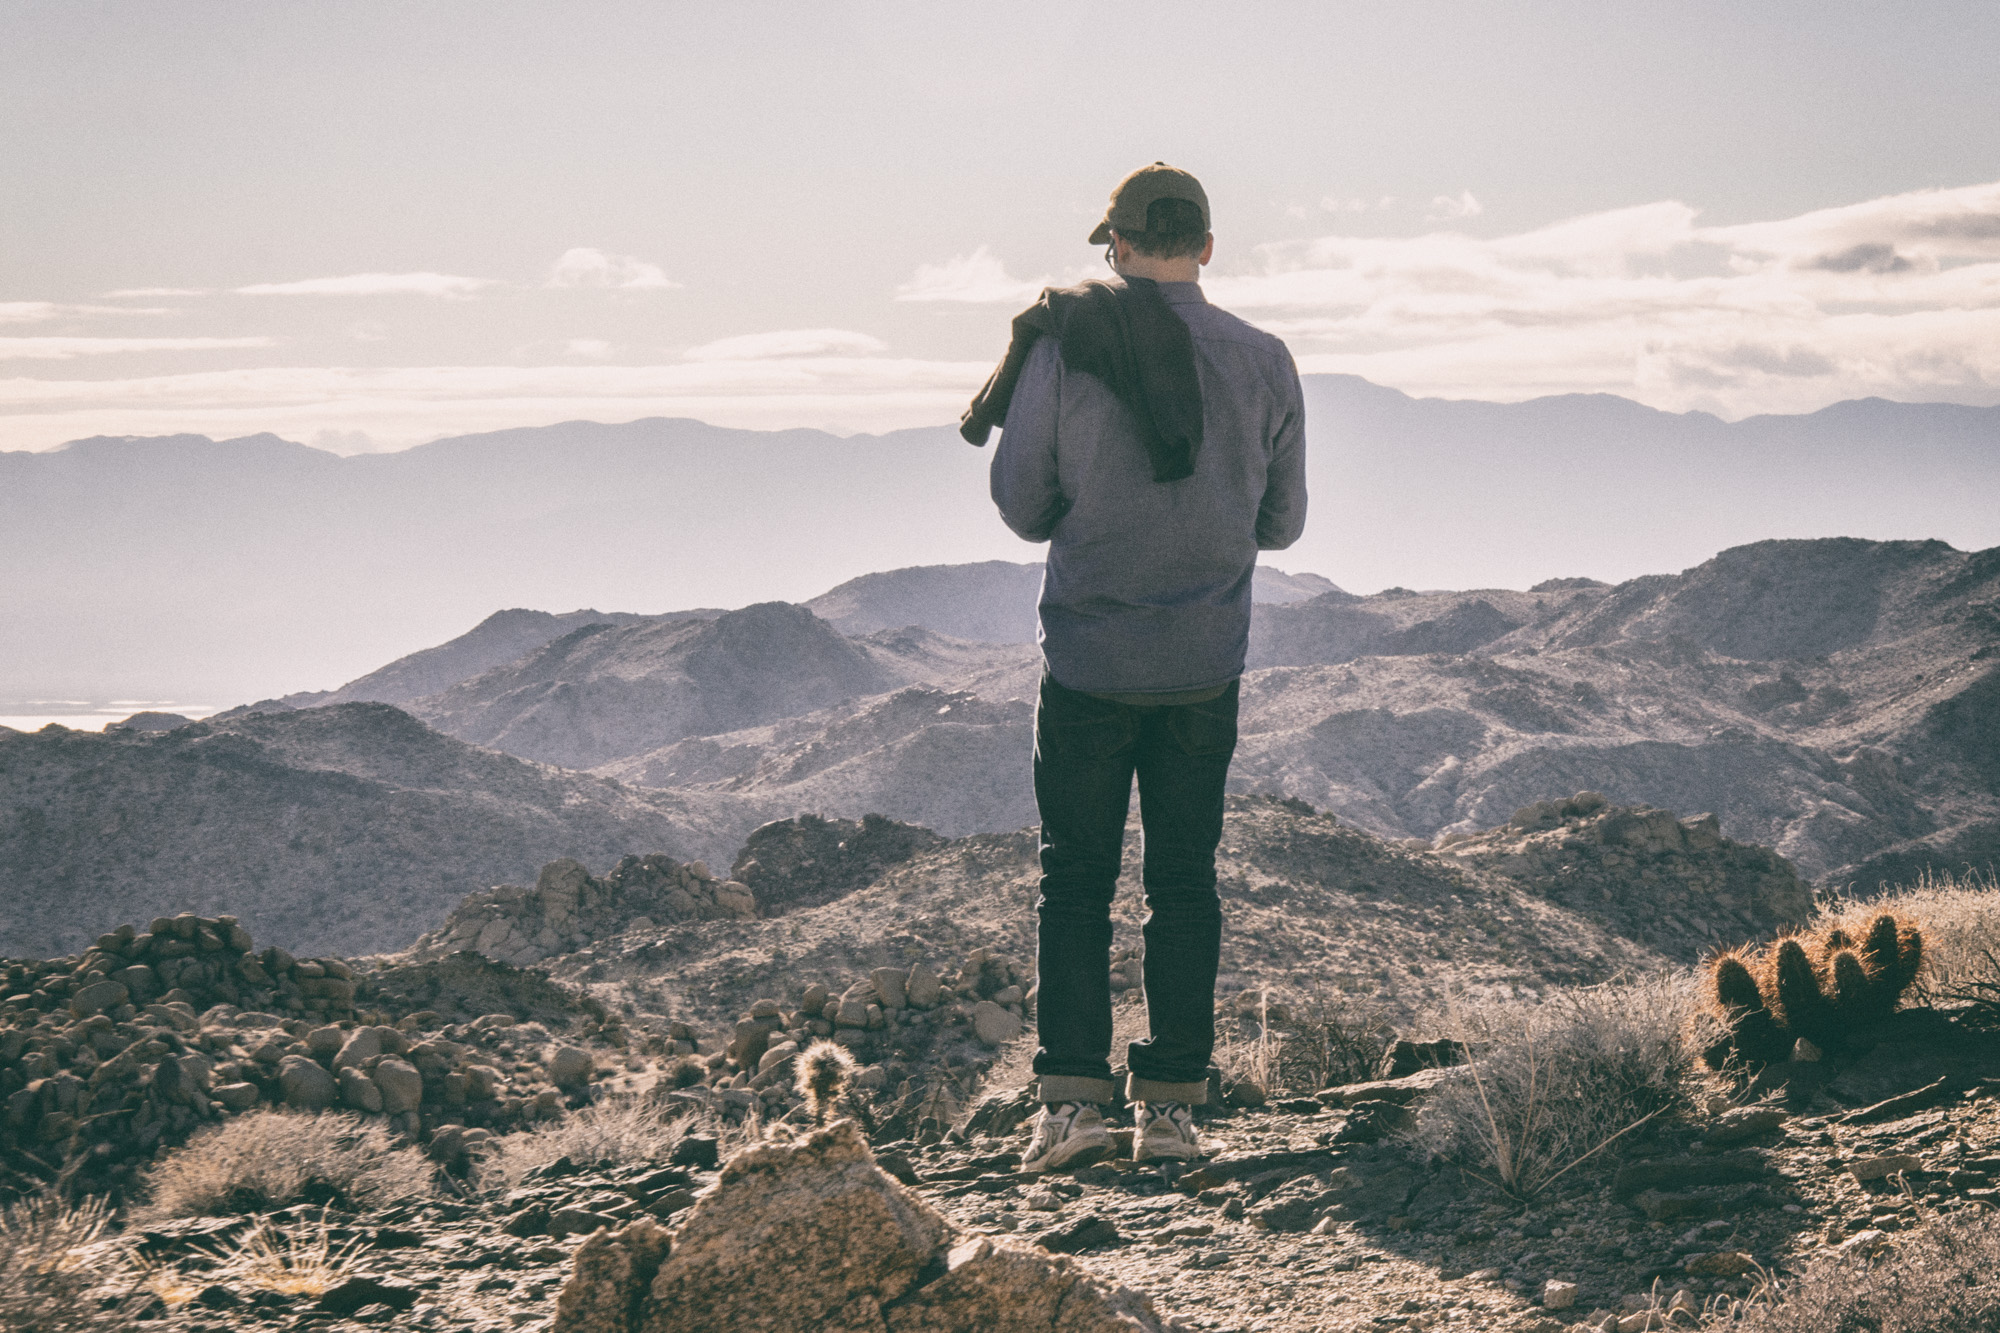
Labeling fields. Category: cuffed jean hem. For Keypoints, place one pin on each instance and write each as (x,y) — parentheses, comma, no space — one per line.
(1151,1090)
(1058,1088)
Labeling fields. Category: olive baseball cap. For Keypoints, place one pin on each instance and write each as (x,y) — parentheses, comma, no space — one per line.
(1138,190)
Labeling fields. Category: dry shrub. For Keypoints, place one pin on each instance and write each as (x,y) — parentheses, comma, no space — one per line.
(1552,1086)
(271,1159)
(1944,1278)
(1960,916)
(1334,1038)
(617,1130)
(290,1262)
(47,1275)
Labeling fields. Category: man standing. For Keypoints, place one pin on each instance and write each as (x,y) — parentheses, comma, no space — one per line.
(1157,444)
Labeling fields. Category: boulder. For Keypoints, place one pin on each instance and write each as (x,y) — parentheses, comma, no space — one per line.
(613,1275)
(304,1085)
(1004,1290)
(891,986)
(358,1091)
(361,1044)
(570,1066)
(401,1085)
(812,1234)
(923,990)
(993,1025)
(97,997)
(793,1235)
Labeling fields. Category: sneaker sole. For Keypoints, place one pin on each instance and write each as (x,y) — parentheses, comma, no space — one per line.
(1082,1154)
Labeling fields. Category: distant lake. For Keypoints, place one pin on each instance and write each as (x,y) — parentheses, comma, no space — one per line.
(87,714)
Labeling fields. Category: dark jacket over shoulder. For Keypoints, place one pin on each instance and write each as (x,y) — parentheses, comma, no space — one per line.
(1147,586)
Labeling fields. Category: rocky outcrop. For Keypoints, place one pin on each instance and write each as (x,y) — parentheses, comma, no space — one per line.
(151,1034)
(812,1234)
(568,909)
(1649,872)
(802,862)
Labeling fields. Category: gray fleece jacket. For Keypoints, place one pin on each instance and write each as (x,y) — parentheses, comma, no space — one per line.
(1147,586)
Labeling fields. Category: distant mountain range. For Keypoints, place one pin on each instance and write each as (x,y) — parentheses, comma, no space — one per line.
(1838,700)
(187,568)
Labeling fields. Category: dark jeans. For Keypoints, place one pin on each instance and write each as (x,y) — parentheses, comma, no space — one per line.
(1086,753)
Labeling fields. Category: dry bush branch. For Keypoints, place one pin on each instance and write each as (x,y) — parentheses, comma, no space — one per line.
(1944,1278)
(617,1130)
(50,1278)
(1554,1086)
(271,1159)
(1334,1038)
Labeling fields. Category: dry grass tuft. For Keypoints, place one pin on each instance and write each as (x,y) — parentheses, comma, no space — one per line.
(1944,1278)
(291,1263)
(1553,1086)
(1334,1038)
(616,1130)
(272,1159)
(1960,916)
(48,1274)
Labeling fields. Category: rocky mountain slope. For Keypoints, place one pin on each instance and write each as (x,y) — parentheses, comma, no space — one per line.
(349,828)
(604,693)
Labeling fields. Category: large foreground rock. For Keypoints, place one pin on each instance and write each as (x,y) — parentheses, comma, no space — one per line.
(811,1234)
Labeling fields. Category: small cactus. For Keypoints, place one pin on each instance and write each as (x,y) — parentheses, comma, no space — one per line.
(1754,1035)
(1793,985)
(825,1071)
(1819,989)
(1853,991)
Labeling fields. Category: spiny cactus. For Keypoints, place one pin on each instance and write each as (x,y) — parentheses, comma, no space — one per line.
(1792,989)
(825,1071)
(1820,989)
(1753,1033)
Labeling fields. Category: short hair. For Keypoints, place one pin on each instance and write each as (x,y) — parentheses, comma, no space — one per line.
(1174,229)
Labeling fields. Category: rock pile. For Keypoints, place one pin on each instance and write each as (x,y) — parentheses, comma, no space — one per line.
(904,1024)
(1667,876)
(813,1234)
(569,909)
(803,862)
(108,1057)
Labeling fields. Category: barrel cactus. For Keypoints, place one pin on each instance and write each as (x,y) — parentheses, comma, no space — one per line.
(1820,988)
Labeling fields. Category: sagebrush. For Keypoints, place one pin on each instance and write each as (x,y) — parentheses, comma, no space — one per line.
(1550,1087)
(271,1159)
(47,1279)
(1943,1278)
(1333,1038)
(618,1130)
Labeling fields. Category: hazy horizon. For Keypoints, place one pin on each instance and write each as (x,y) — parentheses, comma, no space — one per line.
(364,225)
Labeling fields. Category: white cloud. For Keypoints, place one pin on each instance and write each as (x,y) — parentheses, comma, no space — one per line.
(584,267)
(65,349)
(788,343)
(979,277)
(124,292)
(591,347)
(36,312)
(372,284)
(1898,296)
(1461,205)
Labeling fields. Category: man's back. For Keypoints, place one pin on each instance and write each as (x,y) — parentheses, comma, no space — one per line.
(1147,588)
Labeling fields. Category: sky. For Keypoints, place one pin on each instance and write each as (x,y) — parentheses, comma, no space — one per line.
(366,225)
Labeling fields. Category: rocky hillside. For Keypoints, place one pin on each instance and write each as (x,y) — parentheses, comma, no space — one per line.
(604,693)
(348,829)
(1837,700)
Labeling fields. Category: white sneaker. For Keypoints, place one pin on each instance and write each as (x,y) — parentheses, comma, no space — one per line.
(1068,1135)
(1163,1130)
